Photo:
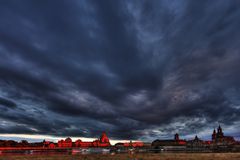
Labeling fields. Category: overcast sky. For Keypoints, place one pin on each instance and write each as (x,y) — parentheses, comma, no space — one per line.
(135,69)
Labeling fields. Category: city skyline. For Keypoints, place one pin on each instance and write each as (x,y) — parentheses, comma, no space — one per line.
(135,69)
(217,136)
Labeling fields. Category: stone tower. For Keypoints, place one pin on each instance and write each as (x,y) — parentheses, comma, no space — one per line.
(214,135)
(219,132)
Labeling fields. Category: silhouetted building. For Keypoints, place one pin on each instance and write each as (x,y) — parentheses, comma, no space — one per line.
(195,143)
(219,138)
(170,144)
(176,137)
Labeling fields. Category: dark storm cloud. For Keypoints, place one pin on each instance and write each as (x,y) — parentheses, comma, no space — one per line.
(136,69)
(7,103)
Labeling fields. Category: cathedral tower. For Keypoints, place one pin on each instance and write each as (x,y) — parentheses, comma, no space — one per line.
(214,135)
(220,132)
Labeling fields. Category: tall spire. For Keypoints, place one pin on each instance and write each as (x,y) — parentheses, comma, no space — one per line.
(214,134)
(176,137)
(220,132)
(219,129)
(196,138)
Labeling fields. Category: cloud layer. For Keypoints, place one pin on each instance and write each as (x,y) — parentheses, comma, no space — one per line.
(136,69)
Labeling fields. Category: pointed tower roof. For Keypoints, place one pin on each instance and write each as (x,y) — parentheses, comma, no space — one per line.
(104,137)
(196,137)
(214,131)
(176,137)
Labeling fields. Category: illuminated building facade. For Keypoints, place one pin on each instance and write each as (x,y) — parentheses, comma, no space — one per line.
(103,141)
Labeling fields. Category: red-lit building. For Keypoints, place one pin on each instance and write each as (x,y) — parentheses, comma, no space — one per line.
(48,144)
(131,144)
(67,143)
(80,143)
(103,141)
